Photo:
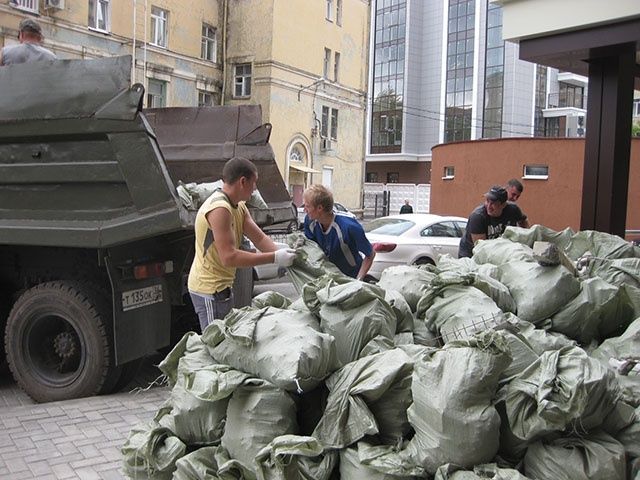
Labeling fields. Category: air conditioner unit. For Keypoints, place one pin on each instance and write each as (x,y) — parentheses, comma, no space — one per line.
(325,144)
(59,4)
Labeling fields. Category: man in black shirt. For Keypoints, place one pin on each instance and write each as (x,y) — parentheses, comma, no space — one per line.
(406,208)
(490,219)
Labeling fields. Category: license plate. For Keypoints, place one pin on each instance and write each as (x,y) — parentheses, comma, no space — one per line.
(141,297)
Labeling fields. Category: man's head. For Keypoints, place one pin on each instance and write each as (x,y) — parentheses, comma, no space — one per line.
(514,190)
(495,200)
(318,200)
(406,201)
(29,31)
(241,175)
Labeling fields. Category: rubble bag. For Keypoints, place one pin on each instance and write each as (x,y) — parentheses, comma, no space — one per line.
(539,233)
(479,472)
(600,245)
(563,389)
(621,355)
(295,457)
(197,407)
(629,437)
(597,456)
(354,313)
(404,315)
(538,291)
(596,304)
(151,452)
(452,413)
(189,353)
(410,281)
(456,311)
(499,251)
(270,299)
(619,271)
(352,467)
(310,262)
(210,463)
(285,347)
(366,397)
(257,413)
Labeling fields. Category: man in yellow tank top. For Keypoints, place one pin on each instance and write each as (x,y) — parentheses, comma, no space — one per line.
(221,222)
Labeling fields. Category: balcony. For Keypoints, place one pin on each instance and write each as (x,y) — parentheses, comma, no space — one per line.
(567,100)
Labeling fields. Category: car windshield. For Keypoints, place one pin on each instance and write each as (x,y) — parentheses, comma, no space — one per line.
(388,226)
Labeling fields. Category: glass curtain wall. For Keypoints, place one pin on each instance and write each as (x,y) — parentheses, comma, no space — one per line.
(388,76)
(459,89)
(541,100)
(494,74)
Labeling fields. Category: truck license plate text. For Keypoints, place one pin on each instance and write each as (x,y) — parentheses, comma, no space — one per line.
(141,297)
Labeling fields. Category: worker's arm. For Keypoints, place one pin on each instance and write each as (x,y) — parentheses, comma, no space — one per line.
(219,220)
(478,236)
(524,223)
(366,265)
(257,236)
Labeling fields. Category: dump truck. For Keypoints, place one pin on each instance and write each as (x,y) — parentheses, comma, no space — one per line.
(95,243)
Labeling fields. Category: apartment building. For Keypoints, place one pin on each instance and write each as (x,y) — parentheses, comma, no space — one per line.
(176,49)
(440,72)
(305,62)
(309,75)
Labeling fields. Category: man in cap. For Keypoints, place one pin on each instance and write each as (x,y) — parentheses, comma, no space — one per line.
(490,219)
(29,49)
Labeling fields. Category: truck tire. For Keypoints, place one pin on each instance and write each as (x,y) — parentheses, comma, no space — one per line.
(56,342)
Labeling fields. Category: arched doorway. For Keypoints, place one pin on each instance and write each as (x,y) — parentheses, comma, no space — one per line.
(299,167)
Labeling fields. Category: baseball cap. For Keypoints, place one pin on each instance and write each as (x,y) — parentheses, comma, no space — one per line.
(496,194)
(30,25)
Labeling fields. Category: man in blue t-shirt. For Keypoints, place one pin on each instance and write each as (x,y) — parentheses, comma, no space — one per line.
(341,237)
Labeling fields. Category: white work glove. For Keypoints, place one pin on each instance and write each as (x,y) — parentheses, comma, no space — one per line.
(284,257)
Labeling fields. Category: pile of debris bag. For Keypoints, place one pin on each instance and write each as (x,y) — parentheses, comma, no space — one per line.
(519,363)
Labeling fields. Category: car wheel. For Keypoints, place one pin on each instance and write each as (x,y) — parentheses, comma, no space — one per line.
(57,343)
(424,261)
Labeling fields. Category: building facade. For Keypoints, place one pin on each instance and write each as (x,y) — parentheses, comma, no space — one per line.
(176,50)
(309,75)
(440,72)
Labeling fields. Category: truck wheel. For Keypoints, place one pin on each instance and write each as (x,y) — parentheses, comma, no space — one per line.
(424,261)
(56,342)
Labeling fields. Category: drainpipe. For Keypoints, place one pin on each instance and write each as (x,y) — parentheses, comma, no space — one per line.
(145,43)
(225,19)
(133,53)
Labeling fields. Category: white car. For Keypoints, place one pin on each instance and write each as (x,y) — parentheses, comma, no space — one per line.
(413,239)
(337,207)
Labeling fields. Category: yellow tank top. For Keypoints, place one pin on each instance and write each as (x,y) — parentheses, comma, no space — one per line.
(207,274)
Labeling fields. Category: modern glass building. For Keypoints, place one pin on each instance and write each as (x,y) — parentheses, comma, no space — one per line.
(440,72)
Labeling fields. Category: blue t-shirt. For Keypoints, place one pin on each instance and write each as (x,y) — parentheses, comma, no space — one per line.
(342,243)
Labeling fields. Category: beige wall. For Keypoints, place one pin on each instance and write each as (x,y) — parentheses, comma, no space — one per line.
(555,202)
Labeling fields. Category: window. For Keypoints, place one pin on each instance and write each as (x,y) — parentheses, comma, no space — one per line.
(242,80)
(442,229)
(99,15)
(393,177)
(536,171)
(329,12)
(29,5)
(336,66)
(372,177)
(329,124)
(339,12)
(156,94)
(159,19)
(208,49)
(327,62)
(636,108)
(205,99)
(449,172)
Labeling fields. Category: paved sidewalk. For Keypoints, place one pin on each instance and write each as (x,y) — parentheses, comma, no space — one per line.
(74,438)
